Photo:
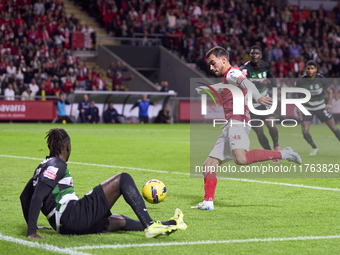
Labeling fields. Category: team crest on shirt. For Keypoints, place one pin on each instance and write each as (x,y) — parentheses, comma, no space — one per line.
(51,172)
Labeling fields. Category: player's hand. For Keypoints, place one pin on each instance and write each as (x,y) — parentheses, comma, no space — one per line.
(35,236)
(329,107)
(267,101)
(266,81)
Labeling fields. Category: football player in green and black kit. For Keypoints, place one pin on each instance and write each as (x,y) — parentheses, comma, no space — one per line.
(317,85)
(258,72)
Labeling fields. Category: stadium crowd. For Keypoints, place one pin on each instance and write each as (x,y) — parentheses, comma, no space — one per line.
(36,51)
(289,36)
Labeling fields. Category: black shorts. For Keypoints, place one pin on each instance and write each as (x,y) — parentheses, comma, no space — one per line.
(259,117)
(253,116)
(144,119)
(89,215)
(323,115)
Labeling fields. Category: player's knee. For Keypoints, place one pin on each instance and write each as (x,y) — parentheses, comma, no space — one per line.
(240,159)
(124,176)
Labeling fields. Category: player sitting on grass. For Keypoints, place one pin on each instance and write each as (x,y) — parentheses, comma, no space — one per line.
(51,191)
(234,142)
(316,84)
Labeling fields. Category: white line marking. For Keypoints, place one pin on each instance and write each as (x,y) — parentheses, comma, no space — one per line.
(43,246)
(119,246)
(187,174)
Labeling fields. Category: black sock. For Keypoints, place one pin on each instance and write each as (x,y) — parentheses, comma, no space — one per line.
(132,225)
(275,136)
(169,222)
(264,141)
(134,199)
(337,134)
(309,140)
(136,225)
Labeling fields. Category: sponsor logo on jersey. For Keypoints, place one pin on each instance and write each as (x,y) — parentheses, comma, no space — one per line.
(51,172)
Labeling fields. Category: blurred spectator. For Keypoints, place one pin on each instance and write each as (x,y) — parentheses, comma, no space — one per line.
(68,85)
(9,92)
(61,103)
(143,105)
(164,86)
(34,87)
(81,74)
(4,84)
(111,115)
(28,75)
(42,93)
(163,116)
(117,80)
(21,87)
(84,108)
(27,94)
(94,112)
(294,49)
(56,90)
(99,83)
(11,69)
(277,52)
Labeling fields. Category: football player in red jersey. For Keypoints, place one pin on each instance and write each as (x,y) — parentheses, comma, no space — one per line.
(234,142)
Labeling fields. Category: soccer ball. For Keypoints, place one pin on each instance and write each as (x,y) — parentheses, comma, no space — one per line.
(154,191)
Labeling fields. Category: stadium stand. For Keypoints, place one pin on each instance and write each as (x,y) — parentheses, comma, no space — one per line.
(190,28)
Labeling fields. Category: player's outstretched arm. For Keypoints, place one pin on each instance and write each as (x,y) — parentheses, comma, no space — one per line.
(251,87)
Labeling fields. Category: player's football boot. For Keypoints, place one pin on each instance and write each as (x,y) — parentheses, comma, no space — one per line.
(157,229)
(314,152)
(178,217)
(205,205)
(291,156)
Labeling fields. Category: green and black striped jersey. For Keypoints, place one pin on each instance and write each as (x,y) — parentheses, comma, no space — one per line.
(316,87)
(257,76)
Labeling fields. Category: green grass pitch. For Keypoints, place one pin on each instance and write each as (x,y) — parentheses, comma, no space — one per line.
(249,217)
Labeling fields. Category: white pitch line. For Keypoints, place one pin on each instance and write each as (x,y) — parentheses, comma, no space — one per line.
(119,246)
(187,174)
(43,246)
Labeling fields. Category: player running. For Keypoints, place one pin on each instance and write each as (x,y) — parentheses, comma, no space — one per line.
(316,84)
(257,71)
(51,191)
(234,142)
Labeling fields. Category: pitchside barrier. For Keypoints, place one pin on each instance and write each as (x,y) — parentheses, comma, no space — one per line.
(123,101)
(38,110)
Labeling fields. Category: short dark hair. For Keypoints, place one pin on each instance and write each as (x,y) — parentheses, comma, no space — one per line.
(311,63)
(255,47)
(218,52)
